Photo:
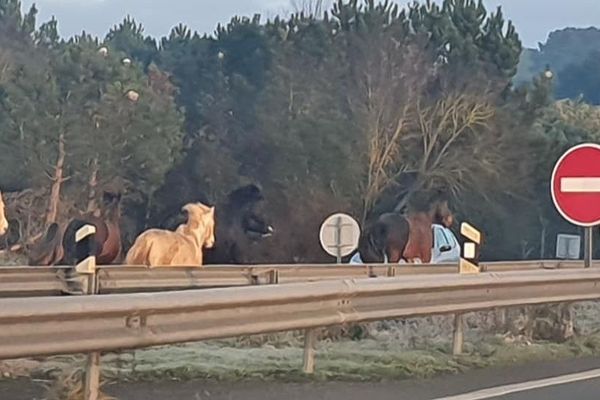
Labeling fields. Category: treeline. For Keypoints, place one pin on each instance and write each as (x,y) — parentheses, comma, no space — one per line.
(573,56)
(364,108)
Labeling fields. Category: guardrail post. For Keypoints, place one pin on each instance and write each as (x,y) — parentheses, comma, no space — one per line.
(273,277)
(86,264)
(468,264)
(458,336)
(310,339)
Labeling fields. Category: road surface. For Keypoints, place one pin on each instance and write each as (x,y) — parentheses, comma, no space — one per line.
(438,388)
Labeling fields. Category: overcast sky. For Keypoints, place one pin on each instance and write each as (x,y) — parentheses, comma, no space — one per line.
(534,18)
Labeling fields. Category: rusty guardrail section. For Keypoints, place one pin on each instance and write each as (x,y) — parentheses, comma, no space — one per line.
(44,281)
(61,325)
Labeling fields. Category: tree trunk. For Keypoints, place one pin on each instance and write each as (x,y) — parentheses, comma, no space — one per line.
(92,185)
(148,212)
(543,239)
(57,181)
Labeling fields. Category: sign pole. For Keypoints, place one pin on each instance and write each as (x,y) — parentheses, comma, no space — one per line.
(338,239)
(588,247)
(575,190)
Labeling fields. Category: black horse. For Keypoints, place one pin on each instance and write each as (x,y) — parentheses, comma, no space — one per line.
(240,223)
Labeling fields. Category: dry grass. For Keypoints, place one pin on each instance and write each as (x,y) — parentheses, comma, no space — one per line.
(69,386)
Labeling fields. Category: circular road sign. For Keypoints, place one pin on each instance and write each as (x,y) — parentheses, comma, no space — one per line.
(575,185)
(339,235)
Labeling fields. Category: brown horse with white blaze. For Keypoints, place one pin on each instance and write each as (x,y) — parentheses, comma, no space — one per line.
(58,244)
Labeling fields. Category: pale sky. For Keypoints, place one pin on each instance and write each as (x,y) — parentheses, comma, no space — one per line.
(534,18)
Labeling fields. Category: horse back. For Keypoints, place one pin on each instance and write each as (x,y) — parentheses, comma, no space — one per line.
(157,247)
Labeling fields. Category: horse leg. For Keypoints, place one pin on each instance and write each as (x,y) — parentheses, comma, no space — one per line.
(394,256)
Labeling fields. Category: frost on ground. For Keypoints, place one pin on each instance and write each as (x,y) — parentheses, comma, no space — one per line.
(419,347)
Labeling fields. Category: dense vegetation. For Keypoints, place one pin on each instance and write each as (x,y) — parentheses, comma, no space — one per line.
(364,108)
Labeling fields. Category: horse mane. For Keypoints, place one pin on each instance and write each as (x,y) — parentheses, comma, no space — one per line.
(245,196)
(371,244)
(201,214)
(3,220)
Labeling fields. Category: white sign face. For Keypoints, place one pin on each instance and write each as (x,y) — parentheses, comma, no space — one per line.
(568,247)
(339,235)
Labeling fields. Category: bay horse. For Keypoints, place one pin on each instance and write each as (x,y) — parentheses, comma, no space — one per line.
(163,248)
(393,236)
(58,245)
(3,220)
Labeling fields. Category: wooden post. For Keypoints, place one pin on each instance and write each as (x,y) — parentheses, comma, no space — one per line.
(92,377)
(86,264)
(458,337)
(310,339)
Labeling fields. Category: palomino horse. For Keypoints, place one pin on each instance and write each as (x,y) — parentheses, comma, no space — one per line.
(58,246)
(393,237)
(3,220)
(162,248)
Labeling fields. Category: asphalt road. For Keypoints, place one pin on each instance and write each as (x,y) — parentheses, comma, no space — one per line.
(437,388)
(585,390)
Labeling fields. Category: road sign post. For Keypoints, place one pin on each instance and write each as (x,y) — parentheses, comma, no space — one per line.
(575,189)
(588,247)
(339,235)
(471,249)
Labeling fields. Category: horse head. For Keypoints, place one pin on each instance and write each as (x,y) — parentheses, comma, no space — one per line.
(432,204)
(244,207)
(3,220)
(200,223)
(111,198)
(111,204)
(441,213)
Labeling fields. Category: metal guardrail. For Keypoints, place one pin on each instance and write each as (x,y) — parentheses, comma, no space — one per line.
(44,281)
(61,325)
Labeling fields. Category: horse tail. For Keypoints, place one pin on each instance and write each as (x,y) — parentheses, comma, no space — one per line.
(48,250)
(139,252)
(378,240)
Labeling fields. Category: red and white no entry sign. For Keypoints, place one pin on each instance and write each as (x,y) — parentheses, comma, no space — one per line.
(575,185)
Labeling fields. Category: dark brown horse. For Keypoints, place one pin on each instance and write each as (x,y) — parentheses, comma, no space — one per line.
(59,248)
(393,236)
